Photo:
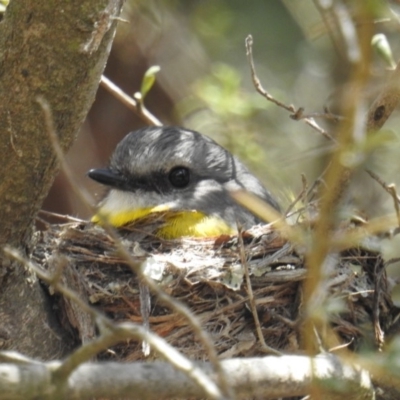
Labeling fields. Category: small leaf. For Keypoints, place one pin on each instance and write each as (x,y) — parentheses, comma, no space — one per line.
(148,80)
(382,47)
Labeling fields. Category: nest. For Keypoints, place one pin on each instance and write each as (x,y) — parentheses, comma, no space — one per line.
(208,276)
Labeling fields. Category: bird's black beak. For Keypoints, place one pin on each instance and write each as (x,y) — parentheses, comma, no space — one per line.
(107,177)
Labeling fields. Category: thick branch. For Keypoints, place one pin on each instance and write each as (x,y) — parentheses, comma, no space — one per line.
(269,377)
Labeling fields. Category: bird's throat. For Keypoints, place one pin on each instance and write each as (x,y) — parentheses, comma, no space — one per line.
(175,224)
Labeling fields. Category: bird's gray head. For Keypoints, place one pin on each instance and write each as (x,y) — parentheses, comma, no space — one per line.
(181,168)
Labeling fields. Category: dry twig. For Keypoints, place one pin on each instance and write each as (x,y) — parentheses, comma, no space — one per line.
(130,102)
(253,306)
(296,114)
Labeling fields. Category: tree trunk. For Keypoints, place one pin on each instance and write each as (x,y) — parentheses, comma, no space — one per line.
(56,51)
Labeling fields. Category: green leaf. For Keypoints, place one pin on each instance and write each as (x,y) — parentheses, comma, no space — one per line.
(383,49)
(148,80)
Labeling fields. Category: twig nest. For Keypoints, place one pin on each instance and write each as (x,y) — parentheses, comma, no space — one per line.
(208,276)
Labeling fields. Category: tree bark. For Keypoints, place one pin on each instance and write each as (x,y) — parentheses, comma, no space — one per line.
(56,51)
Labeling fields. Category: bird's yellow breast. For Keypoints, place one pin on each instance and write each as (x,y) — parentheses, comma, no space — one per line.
(176,224)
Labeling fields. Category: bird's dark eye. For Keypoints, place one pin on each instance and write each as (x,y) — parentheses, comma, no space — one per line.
(179,177)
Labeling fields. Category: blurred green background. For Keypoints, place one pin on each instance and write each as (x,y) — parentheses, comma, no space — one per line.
(205,84)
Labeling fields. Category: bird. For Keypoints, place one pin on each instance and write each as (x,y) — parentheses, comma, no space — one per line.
(182,175)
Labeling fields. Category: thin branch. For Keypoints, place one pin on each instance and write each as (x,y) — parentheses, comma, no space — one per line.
(130,102)
(385,186)
(256,80)
(300,196)
(379,333)
(375,226)
(61,216)
(395,198)
(389,188)
(83,194)
(295,113)
(253,307)
(325,115)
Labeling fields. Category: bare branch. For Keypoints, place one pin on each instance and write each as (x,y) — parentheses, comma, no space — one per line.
(295,113)
(130,102)
(253,307)
(268,377)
